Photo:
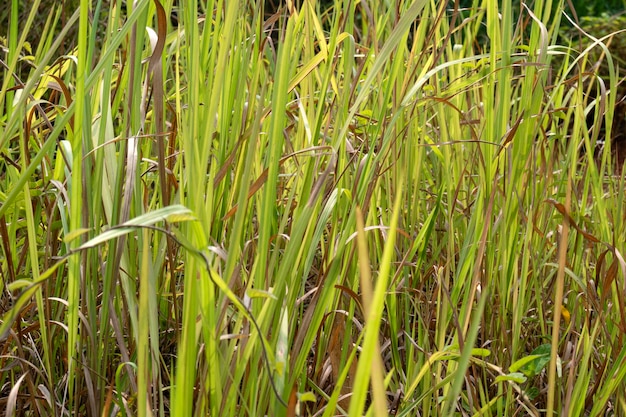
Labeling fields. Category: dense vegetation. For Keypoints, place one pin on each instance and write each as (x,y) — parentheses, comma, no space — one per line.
(237,208)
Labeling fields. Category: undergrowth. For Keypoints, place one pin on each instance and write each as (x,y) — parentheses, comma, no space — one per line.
(367,208)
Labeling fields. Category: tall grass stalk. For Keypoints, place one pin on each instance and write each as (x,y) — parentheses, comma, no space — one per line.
(334,208)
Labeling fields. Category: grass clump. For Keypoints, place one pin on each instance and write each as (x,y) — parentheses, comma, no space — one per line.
(360,209)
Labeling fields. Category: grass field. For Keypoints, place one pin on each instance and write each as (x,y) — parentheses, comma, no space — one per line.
(368,208)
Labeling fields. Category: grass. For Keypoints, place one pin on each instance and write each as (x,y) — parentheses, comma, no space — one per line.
(367,209)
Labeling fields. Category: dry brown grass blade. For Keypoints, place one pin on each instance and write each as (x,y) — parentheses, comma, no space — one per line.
(129,157)
(335,353)
(319,183)
(354,296)
(564,212)
(171,151)
(12,398)
(510,134)
(92,398)
(292,405)
(158,95)
(60,86)
(258,183)
(119,336)
(4,235)
(612,272)
(107,403)
(221,173)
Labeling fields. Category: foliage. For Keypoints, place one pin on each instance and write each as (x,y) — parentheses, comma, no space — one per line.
(347,211)
(598,8)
